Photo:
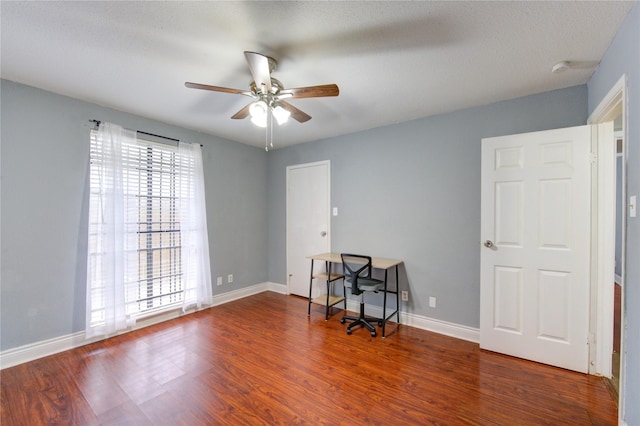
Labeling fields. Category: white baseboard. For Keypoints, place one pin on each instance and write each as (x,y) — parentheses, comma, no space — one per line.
(30,352)
(277,288)
(26,353)
(36,350)
(248,291)
(458,331)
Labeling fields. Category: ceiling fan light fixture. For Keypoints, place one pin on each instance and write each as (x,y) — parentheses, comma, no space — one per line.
(258,109)
(258,112)
(259,121)
(281,115)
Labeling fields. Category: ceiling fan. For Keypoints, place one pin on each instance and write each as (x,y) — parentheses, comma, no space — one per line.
(269,94)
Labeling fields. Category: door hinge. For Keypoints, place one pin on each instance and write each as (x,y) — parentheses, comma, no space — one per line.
(593,157)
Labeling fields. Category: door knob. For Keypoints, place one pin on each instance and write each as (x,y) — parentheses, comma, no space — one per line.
(323,233)
(488,244)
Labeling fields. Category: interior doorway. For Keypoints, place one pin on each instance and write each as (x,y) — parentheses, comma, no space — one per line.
(611,315)
(618,284)
(308,221)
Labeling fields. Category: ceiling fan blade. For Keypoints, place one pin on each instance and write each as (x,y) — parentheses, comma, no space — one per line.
(310,92)
(297,114)
(243,113)
(259,66)
(216,88)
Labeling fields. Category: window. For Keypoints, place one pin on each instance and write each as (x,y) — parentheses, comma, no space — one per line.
(156,184)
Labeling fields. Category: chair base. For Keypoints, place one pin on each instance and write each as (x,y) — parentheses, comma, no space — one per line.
(361,320)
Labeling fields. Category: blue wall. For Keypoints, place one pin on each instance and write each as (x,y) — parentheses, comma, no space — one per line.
(623,58)
(420,184)
(45,160)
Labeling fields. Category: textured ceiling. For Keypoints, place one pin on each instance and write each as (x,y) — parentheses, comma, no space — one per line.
(393,61)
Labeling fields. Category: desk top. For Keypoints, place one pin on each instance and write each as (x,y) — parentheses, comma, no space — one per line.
(376,262)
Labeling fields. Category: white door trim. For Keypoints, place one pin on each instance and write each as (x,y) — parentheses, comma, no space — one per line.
(603,251)
(613,103)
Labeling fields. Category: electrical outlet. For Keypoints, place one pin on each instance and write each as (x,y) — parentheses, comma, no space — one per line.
(230,278)
(432,302)
(405,296)
(219,281)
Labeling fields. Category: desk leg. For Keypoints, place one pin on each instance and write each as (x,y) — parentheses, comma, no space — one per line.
(327,267)
(397,298)
(310,287)
(384,305)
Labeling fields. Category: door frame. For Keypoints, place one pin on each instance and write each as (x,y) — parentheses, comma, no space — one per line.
(603,225)
(288,205)
(614,103)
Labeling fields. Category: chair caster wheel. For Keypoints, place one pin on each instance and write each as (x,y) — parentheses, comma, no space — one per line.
(348,331)
(342,320)
(373,334)
(379,323)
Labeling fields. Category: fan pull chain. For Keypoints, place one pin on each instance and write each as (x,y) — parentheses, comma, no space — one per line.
(271,129)
(268,132)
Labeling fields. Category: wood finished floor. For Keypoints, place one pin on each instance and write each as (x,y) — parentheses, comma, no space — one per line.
(261,360)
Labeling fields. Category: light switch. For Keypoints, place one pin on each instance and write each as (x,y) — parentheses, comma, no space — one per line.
(335,211)
(632,206)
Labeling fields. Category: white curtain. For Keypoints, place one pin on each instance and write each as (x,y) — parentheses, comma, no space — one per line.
(105,265)
(193,230)
(117,293)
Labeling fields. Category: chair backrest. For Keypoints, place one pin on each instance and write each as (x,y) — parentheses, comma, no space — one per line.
(356,266)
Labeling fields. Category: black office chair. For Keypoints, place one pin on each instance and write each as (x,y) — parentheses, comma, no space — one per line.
(357,272)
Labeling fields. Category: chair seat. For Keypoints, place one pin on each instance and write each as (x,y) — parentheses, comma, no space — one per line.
(371,286)
(368,284)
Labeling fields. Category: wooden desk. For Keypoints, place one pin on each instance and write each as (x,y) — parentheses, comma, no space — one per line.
(377,263)
(328,277)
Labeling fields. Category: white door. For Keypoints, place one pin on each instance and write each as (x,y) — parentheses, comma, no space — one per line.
(535,230)
(308,220)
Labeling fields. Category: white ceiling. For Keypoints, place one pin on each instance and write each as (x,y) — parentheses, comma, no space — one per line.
(393,61)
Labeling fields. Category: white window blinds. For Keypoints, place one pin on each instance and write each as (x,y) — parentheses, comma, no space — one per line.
(151,190)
